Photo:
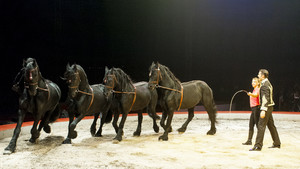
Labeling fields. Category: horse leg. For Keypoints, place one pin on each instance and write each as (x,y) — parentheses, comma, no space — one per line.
(139,127)
(190,117)
(35,133)
(73,133)
(12,144)
(115,122)
(163,119)
(93,126)
(164,137)
(154,116)
(68,139)
(162,122)
(45,123)
(211,110)
(103,118)
(118,138)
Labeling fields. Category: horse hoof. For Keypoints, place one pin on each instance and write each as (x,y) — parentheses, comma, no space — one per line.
(157,117)
(136,133)
(7,152)
(211,132)
(115,141)
(33,141)
(181,130)
(163,138)
(47,128)
(73,134)
(67,141)
(98,135)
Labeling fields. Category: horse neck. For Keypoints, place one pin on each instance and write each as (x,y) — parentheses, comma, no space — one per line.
(84,84)
(123,85)
(167,81)
(41,80)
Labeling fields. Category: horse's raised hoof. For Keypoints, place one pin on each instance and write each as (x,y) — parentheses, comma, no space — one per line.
(136,133)
(47,128)
(181,130)
(170,129)
(67,141)
(163,138)
(73,134)
(211,132)
(157,117)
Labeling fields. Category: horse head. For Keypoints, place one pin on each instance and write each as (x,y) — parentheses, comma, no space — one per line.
(154,75)
(72,78)
(109,81)
(32,75)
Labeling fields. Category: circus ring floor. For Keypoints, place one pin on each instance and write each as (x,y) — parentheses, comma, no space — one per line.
(193,149)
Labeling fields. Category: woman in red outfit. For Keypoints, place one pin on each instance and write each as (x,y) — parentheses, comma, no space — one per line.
(254,104)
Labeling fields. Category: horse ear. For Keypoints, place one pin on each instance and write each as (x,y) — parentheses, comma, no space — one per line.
(24,62)
(75,67)
(34,62)
(68,67)
(106,69)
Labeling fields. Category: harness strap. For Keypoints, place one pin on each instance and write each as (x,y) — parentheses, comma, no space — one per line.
(181,92)
(46,90)
(90,94)
(181,97)
(134,97)
(91,99)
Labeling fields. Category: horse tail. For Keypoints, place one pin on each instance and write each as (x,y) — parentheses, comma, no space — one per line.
(108,116)
(56,113)
(209,103)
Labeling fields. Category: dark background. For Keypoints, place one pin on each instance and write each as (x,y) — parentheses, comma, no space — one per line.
(224,43)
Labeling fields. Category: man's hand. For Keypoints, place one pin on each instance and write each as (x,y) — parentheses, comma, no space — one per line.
(262,114)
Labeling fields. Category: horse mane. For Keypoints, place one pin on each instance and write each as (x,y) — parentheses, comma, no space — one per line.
(123,79)
(82,74)
(168,72)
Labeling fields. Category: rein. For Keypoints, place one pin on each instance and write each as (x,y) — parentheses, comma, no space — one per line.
(39,88)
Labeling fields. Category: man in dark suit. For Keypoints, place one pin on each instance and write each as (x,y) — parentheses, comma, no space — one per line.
(266,118)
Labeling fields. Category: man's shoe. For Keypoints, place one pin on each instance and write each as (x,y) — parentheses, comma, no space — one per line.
(255,148)
(273,146)
(247,143)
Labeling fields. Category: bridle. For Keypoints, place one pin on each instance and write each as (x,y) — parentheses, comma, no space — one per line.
(156,83)
(26,84)
(120,92)
(79,91)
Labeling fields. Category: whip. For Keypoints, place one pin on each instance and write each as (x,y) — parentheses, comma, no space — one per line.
(234,96)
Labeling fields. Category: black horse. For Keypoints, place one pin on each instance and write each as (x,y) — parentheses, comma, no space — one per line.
(40,97)
(174,95)
(84,100)
(130,97)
